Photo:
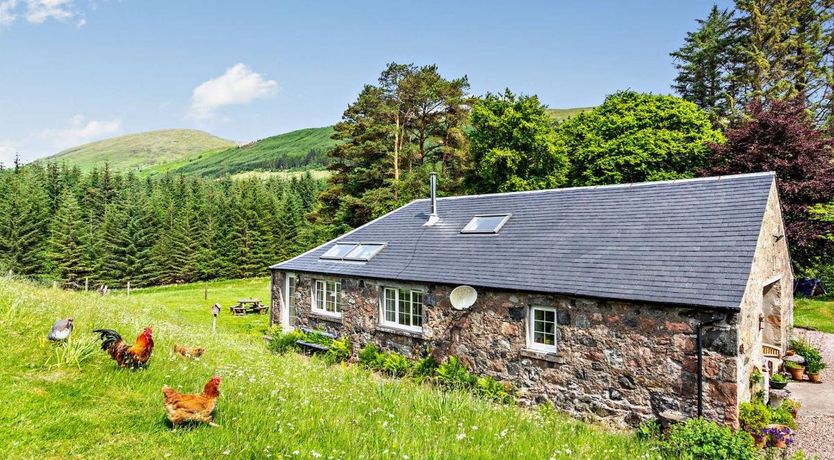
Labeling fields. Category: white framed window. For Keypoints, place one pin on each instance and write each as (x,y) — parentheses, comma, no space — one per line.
(356,252)
(327,297)
(541,329)
(486,223)
(292,315)
(402,308)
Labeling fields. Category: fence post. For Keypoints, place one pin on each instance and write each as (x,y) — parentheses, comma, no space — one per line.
(128,288)
(86,283)
(205,291)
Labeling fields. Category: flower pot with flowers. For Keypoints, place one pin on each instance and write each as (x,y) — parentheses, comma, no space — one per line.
(779,436)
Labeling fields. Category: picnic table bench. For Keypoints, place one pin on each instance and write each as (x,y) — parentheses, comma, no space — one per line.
(245,306)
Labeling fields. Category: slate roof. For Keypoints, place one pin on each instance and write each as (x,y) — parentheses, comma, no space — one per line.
(687,242)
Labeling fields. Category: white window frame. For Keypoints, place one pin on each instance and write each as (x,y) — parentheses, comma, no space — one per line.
(396,324)
(336,298)
(289,299)
(531,331)
(469,228)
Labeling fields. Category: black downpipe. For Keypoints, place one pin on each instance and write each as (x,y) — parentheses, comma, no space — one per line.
(700,339)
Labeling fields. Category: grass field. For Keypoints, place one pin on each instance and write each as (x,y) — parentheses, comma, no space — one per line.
(271,406)
(815,313)
(564,114)
(141,151)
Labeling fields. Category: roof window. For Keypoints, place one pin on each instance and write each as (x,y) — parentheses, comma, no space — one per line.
(361,252)
(490,223)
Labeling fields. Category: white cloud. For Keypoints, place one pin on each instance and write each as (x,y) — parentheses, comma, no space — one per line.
(7,153)
(7,14)
(80,132)
(239,85)
(38,11)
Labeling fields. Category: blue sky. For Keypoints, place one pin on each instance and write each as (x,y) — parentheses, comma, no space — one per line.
(74,71)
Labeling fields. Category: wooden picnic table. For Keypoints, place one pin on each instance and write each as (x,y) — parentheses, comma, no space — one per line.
(245,306)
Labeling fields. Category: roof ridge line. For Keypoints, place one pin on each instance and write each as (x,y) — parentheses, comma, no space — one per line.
(610,186)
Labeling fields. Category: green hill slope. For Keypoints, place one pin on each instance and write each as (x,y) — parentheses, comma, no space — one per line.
(142,150)
(564,114)
(305,148)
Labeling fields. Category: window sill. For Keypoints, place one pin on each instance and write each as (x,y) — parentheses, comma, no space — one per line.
(551,357)
(326,316)
(400,331)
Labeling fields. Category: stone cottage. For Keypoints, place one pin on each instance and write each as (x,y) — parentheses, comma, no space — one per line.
(588,298)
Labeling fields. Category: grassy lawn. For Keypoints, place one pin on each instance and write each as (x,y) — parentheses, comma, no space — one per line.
(271,406)
(815,313)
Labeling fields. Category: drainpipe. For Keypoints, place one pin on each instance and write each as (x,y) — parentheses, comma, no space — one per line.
(700,340)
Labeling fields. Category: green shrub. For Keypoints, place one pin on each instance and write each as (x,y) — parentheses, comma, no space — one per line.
(492,389)
(371,357)
(782,415)
(424,368)
(454,374)
(396,365)
(648,431)
(699,439)
(753,417)
(317,338)
(339,351)
(283,342)
(793,365)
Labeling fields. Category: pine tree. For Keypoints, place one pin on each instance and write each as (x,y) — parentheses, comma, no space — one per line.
(289,226)
(66,244)
(704,64)
(24,219)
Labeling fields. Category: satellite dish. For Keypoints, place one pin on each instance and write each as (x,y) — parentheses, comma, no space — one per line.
(463,297)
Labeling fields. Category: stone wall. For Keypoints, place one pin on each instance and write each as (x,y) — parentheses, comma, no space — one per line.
(617,361)
(771,273)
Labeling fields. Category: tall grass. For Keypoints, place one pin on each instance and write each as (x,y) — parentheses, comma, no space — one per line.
(271,406)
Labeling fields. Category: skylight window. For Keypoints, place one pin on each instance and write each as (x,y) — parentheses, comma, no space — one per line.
(361,252)
(486,223)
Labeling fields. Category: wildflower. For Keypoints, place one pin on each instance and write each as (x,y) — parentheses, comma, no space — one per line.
(461,436)
(227,452)
(315,454)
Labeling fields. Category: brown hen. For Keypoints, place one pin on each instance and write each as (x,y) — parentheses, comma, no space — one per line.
(197,407)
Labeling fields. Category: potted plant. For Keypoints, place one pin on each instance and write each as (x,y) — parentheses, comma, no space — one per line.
(779,436)
(796,370)
(754,417)
(812,370)
(793,406)
(778,381)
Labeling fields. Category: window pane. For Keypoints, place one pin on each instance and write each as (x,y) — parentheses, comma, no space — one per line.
(544,327)
(292,316)
(416,309)
(391,305)
(484,224)
(364,251)
(338,251)
(320,295)
(337,297)
(404,317)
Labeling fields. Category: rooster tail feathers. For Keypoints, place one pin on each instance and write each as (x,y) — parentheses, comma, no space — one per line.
(108,337)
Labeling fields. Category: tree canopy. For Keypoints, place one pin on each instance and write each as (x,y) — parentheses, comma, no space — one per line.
(635,137)
(513,145)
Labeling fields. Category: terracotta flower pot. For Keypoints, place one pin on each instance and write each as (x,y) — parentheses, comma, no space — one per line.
(815,378)
(797,373)
(760,440)
(790,353)
(779,443)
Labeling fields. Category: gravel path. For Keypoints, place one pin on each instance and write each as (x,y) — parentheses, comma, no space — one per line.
(815,424)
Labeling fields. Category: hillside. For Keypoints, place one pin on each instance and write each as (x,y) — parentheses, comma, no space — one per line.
(142,150)
(305,148)
(564,114)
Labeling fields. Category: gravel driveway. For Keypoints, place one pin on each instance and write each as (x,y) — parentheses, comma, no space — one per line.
(815,433)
